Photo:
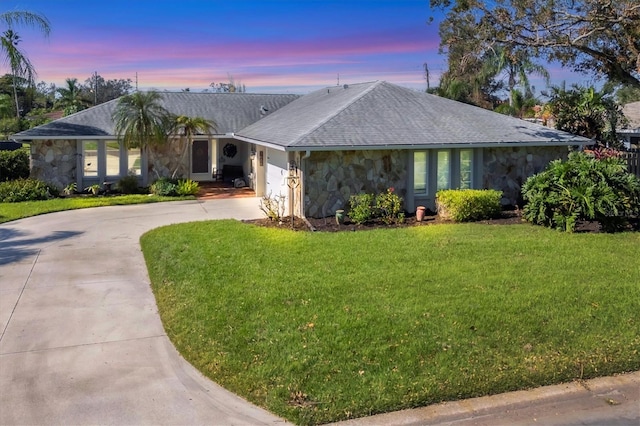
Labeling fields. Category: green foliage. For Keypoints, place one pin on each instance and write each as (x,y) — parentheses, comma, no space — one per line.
(598,37)
(14,165)
(361,208)
(141,120)
(187,187)
(582,188)
(18,190)
(465,205)
(72,188)
(128,185)
(93,189)
(426,323)
(9,126)
(165,187)
(389,207)
(587,112)
(273,206)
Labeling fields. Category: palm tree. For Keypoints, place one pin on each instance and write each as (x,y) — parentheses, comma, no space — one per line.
(186,128)
(21,67)
(141,121)
(70,97)
(13,18)
(19,63)
(517,66)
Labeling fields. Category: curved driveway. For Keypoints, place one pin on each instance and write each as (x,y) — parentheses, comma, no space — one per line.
(81,341)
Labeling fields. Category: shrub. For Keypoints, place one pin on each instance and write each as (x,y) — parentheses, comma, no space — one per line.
(72,188)
(187,187)
(93,189)
(128,185)
(582,188)
(19,190)
(164,187)
(464,205)
(361,208)
(389,207)
(273,206)
(14,165)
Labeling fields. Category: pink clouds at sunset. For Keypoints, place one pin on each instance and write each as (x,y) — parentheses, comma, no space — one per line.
(291,46)
(270,45)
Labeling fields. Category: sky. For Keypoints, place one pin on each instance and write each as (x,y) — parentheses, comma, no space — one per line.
(270,46)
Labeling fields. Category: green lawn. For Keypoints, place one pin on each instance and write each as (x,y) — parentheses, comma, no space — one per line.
(319,327)
(14,211)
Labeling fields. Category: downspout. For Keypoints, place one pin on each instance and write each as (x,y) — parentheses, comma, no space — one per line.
(303,170)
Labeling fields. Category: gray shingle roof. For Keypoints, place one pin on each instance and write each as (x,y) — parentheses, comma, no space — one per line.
(230,111)
(380,114)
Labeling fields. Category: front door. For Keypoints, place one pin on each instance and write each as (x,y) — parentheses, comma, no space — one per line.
(200,160)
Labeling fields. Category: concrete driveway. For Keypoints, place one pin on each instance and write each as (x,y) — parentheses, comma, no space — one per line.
(81,341)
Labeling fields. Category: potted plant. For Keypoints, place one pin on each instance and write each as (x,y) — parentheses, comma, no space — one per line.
(70,189)
(93,189)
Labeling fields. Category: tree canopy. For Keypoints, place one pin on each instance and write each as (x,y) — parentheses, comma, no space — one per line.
(591,36)
(587,112)
(141,120)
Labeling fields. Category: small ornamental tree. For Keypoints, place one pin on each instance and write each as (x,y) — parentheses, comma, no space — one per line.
(582,188)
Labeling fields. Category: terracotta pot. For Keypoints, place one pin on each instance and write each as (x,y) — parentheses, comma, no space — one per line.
(420,213)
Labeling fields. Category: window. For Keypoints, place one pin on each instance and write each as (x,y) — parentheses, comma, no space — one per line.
(113,158)
(133,162)
(444,171)
(420,172)
(466,168)
(90,158)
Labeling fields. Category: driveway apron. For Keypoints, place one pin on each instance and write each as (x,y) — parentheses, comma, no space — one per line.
(81,341)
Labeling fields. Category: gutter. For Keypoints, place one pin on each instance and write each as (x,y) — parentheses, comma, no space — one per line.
(437,146)
(262,143)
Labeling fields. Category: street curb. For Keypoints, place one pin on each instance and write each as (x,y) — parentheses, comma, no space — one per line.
(610,390)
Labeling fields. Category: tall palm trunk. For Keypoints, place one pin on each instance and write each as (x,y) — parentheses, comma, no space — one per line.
(15,96)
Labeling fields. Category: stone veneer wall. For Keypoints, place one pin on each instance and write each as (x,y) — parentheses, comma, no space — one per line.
(332,177)
(166,158)
(54,161)
(506,169)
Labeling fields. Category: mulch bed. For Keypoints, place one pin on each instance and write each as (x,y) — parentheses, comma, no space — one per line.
(328,224)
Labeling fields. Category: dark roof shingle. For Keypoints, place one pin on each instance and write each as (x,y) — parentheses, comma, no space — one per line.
(380,114)
(230,111)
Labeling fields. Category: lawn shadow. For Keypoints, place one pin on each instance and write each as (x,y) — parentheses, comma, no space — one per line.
(15,245)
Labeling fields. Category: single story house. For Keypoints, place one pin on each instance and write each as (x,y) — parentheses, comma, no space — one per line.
(318,149)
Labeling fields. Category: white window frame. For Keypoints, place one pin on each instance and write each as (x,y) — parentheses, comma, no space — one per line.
(424,191)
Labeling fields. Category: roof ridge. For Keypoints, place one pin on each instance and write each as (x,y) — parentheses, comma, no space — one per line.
(339,111)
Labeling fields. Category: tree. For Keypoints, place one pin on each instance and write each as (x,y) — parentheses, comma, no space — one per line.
(45,94)
(516,66)
(97,90)
(141,121)
(5,106)
(186,128)
(230,87)
(587,112)
(71,97)
(17,60)
(627,94)
(21,68)
(591,36)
